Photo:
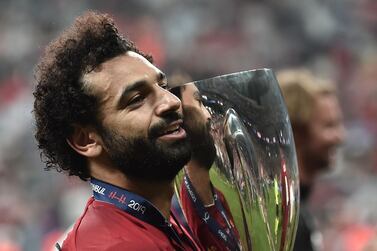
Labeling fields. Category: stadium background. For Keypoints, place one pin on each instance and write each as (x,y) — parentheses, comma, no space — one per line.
(334,38)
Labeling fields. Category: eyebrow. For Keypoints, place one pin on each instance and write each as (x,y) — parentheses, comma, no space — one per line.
(136,86)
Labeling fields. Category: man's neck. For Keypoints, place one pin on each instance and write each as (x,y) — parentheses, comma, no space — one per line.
(199,177)
(157,193)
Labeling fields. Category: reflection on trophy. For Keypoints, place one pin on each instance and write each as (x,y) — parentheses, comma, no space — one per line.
(239,191)
(206,209)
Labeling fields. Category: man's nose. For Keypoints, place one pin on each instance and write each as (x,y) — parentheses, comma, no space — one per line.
(167,103)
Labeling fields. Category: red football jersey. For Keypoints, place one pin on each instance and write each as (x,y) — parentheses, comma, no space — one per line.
(197,225)
(103,226)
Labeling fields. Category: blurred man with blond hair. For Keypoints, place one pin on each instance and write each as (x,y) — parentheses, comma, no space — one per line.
(317,126)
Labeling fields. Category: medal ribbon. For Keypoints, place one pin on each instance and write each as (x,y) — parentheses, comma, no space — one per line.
(134,205)
(226,235)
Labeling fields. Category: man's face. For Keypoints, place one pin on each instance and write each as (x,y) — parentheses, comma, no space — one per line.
(197,124)
(325,131)
(141,122)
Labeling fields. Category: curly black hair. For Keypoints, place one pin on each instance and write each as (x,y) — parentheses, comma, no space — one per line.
(60,99)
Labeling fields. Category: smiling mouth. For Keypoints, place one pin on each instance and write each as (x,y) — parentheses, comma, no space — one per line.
(172,129)
(173,132)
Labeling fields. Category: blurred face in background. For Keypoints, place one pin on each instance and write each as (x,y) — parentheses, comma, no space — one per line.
(197,124)
(325,132)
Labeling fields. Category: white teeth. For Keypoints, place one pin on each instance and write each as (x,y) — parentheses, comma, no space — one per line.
(172,129)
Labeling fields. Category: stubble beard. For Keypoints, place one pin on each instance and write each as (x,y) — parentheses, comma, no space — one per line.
(146,158)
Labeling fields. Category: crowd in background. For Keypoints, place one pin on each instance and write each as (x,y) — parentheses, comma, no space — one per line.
(335,39)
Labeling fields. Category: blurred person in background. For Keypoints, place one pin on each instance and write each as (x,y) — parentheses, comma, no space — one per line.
(103,113)
(318,130)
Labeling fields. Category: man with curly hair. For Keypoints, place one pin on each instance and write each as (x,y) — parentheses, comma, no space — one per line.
(103,113)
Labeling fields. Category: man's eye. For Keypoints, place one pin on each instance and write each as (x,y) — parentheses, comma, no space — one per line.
(200,100)
(164,85)
(136,100)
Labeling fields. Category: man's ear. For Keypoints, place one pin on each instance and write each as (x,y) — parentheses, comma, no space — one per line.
(85,141)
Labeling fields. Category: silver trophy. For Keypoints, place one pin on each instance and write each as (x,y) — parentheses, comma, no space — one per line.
(240,190)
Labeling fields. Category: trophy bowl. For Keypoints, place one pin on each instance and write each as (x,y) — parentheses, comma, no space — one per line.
(240,190)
